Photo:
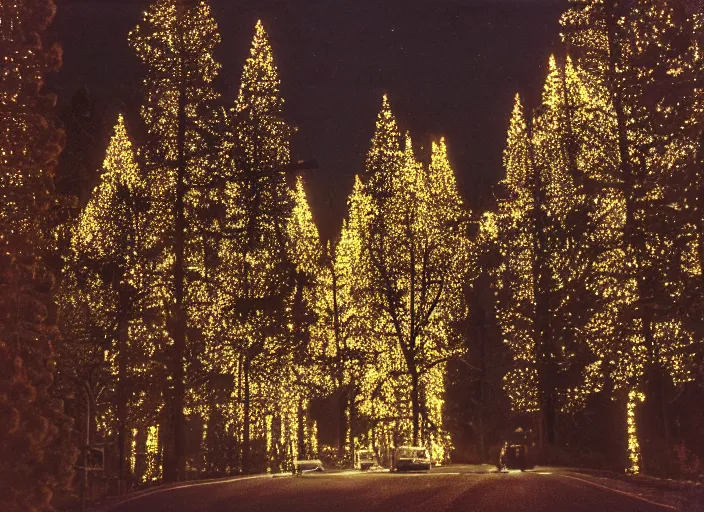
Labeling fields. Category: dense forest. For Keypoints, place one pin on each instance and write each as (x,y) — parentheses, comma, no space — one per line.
(169,311)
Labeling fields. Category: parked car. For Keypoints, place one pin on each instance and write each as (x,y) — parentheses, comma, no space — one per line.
(411,458)
(307,466)
(514,456)
(364,459)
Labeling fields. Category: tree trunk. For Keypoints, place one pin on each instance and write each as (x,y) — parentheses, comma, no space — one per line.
(179,321)
(415,404)
(482,445)
(542,329)
(549,412)
(540,420)
(245,435)
(353,412)
(84,481)
(342,424)
(665,411)
(657,378)
(140,465)
(482,384)
(301,431)
(122,427)
(700,205)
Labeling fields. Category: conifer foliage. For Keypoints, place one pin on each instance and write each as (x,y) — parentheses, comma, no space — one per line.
(257,273)
(205,319)
(175,42)
(105,274)
(35,450)
(416,246)
(598,245)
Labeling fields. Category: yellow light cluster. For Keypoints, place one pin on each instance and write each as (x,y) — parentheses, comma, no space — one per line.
(594,215)
(634,456)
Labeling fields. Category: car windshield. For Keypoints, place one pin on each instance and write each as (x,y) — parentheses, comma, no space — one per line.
(412,453)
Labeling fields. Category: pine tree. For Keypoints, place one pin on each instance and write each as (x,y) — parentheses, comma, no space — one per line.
(303,234)
(528,233)
(635,50)
(175,42)
(381,383)
(567,155)
(306,253)
(102,223)
(108,268)
(560,223)
(344,327)
(36,456)
(257,273)
(515,279)
(448,266)
(415,245)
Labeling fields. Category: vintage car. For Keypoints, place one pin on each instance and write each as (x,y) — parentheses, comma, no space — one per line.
(411,458)
(364,459)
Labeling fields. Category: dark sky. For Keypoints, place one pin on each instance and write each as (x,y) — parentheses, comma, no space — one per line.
(451,67)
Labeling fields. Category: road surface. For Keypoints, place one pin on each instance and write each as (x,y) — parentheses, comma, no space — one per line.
(450,488)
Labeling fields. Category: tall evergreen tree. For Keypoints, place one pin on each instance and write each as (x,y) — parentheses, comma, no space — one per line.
(345,323)
(305,381)
(257,273)
(175,42)
(36,456)
(636,51)
(108,268)
(554,228)
(569,140)
(416,245)
(515,275)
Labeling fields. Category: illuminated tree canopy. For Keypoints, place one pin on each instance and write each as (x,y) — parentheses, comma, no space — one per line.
(175,42)
(597,245)
(648,59)
(108,273)
(416,247)
(269,242)
(208,322)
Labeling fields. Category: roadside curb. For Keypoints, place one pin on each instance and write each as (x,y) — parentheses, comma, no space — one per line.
(652,481)
(620,491)
(672,494)
(117,501)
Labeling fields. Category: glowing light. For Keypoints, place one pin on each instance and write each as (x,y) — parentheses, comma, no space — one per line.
(634,457)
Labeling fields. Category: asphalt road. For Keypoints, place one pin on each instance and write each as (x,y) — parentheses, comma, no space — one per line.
(451,488)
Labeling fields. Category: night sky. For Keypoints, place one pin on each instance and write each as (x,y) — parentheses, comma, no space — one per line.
(450,67)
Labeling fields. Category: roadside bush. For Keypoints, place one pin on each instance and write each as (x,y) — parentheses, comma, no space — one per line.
(690,466)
